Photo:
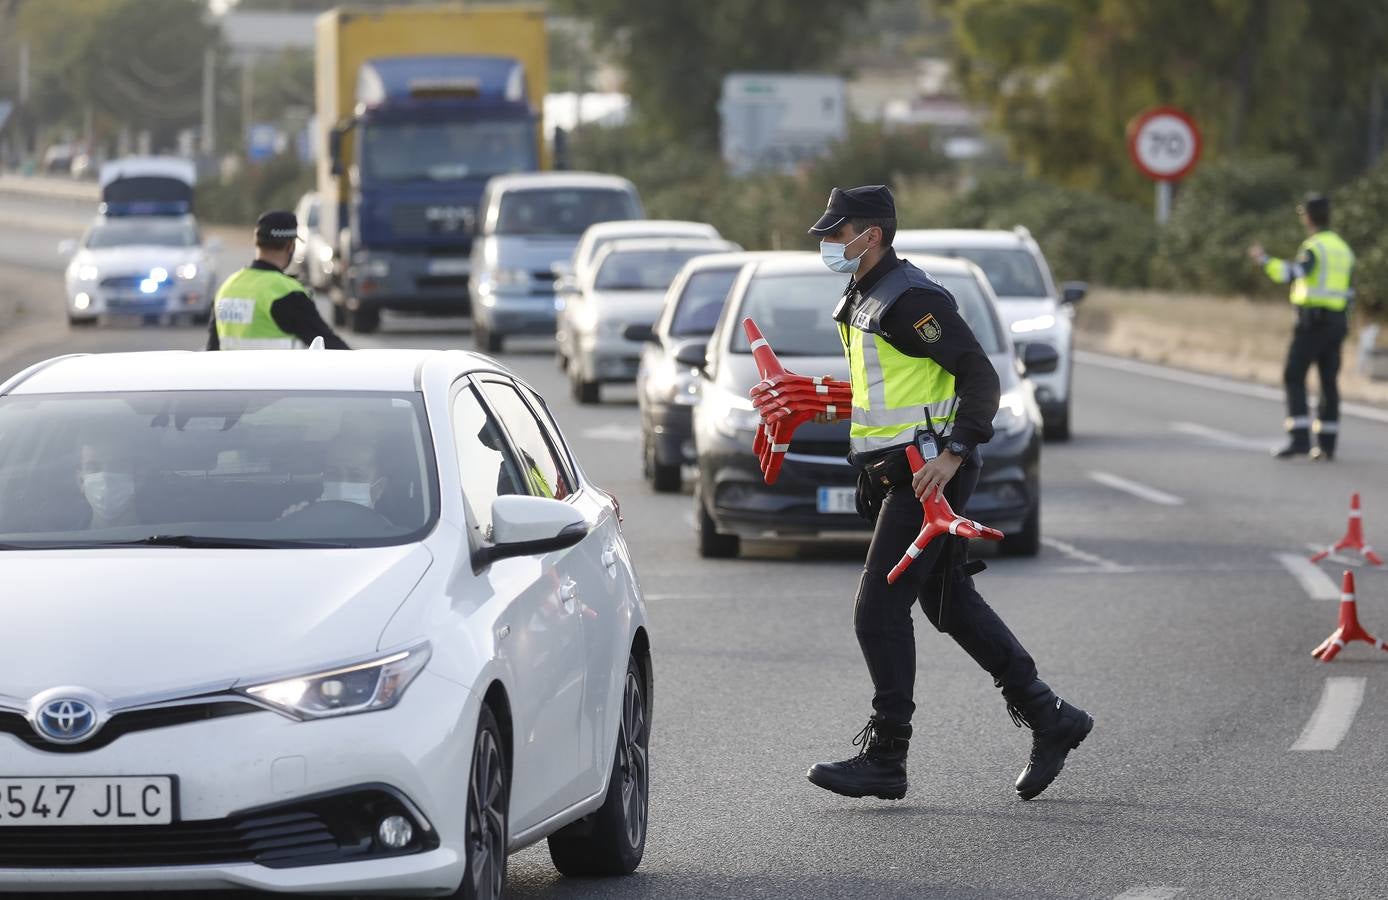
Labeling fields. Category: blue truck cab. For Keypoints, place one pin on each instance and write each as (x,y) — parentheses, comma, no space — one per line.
(429,132)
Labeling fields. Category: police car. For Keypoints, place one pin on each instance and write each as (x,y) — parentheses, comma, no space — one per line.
(309,622)
(143,257)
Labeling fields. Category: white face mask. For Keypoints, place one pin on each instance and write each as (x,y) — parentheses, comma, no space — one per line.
(111,494)
(358,492)
(833,257)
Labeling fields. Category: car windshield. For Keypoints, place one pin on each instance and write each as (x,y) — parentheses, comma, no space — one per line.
(642,270)
(1012,273)
(214,468)
(794,313)
(561,211)
(143,233)
(701,302)
(445,151)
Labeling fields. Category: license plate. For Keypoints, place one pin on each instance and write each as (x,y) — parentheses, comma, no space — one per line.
(450,266)
(132,800)
(837,500)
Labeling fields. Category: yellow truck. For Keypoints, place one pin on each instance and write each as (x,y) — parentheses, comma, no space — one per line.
(419,106)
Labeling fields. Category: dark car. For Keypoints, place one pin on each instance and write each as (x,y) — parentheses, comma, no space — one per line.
(666,390)
(790,296)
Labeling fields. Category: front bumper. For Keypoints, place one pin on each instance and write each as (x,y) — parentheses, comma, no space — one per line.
(415,282)
(259,770)
(171,298)
(519,314)
(607,358)
(671,429)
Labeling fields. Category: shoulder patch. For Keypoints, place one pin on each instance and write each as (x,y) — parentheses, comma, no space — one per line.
(928,329)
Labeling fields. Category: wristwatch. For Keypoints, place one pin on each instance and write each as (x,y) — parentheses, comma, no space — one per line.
(959,449)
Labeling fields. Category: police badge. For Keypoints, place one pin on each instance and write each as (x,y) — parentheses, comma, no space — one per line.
(928,329)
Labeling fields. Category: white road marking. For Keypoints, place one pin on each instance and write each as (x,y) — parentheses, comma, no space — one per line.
(1075,553)
(1333,716)
(1335,558)
(1142,491)
(1314,582)
(1149,892)
(1213,382)
(1223,438)
(613,432)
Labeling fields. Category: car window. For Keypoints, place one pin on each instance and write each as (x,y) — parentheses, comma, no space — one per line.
(132,232)
(642,270)
(563,211)
(540,468)
(701,302)
(1012,273)
(552,432)
(485,464)
(280,467)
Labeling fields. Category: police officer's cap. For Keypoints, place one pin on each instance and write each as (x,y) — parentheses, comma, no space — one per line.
(1317,206)
(276,226)
(870,201)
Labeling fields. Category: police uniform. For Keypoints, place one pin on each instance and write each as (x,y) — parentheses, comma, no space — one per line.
(261,308)
(1320,278)
(918,374)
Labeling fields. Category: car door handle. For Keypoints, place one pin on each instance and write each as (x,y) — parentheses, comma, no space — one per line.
(568,594)
(609,560)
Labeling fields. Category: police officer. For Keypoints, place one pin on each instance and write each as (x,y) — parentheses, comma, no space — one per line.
(260,307)
(1320,277)
(919,375)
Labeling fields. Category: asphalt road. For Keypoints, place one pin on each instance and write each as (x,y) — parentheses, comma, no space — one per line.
(1161,603)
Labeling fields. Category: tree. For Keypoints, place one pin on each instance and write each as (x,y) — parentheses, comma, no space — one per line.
(676,54)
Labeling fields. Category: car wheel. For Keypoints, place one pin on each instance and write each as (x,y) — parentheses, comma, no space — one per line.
(665,479)
(365,319)
(583,391)
(612,840)
(487,341)
(74,322)
(713,545)
(339,315)
(488,799)
(1027,541)
(561,362)
(1057,428)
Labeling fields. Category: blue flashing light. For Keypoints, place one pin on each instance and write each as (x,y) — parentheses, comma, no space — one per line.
(149,286)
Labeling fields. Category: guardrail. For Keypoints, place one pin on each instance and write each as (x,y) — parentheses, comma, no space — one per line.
(54,188)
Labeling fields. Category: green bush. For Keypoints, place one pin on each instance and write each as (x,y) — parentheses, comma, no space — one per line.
(1084,236)
(1359,212)
(277,183)
(1222,209)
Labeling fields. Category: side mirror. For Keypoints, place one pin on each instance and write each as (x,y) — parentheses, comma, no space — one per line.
(67,247)
(641,334)
(1038,359)
(1073,291)
(695,356)
(214,245)
(529,526)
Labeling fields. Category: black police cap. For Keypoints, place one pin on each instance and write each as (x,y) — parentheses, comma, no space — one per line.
(1316,205)
(870,201)
(276,225)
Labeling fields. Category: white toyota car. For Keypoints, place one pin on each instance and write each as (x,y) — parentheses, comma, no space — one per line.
(309,621)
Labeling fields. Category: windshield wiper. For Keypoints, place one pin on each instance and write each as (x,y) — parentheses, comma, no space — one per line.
(194,540)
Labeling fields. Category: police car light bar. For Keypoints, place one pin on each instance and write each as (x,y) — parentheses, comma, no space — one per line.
(146,208)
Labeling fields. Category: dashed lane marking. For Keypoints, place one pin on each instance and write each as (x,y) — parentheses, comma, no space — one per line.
(1223,438)
(1141,491)
(1333,715)
(1314,582)
(1098,562)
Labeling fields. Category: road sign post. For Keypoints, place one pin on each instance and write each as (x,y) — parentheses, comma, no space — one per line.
(1164,144)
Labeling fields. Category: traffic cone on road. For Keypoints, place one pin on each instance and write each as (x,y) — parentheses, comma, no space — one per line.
(1354,537)
(1349,630)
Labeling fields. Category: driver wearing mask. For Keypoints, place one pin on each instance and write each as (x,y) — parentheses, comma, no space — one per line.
(106,475)
(351,474)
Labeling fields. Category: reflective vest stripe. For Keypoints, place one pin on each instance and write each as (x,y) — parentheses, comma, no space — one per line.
(895,395)
(1328,285)
(240,343)
(243,311)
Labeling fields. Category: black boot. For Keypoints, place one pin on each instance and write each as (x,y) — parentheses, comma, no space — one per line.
(1298,444)
(879,769)
(1056,729)
(1325,443)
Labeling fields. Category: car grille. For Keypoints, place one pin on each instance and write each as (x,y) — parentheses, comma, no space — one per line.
(123,723)
(442,281)
(328,829)
(124,282)
(416,220)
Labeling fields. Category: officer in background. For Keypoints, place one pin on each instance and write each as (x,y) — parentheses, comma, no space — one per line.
(919,375)
(1320,277)
(260,307)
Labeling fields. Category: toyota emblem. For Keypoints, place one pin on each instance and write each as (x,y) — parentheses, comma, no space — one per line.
(66,720)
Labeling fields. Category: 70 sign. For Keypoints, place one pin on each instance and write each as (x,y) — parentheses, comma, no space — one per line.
(1164,143)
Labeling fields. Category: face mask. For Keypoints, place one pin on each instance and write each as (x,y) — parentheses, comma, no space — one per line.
(111,494)
(358,492)
(833,257)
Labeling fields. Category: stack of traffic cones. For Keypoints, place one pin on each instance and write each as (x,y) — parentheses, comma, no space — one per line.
(1350,629)
(786,401)
(939,519)
(1354,537)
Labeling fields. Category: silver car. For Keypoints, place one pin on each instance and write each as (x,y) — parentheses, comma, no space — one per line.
(528,223)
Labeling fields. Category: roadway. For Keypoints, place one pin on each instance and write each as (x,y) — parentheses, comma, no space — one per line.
(1169,601)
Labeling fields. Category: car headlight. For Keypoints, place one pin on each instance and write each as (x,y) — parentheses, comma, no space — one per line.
(514,280)
(363,687)
(1036,323)
(87,273)
(734,416)
(187,271)
(674,383)
(1011,417)
(584,317)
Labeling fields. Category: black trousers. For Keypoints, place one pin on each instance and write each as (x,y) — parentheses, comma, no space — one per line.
(882,612)
(1315,341)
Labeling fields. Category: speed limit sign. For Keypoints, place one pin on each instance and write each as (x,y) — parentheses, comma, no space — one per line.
(1164,143)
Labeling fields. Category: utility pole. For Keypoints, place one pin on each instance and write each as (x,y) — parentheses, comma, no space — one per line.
(247,98)
(23,73)
(208,146)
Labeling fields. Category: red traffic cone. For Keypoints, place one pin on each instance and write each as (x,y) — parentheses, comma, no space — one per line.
(1349,630)
(939,519)
(1354,537)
